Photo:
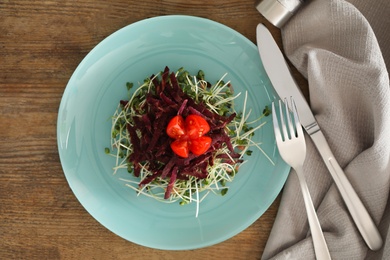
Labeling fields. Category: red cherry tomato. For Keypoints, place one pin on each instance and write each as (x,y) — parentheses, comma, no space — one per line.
(180,147)
(176,127)
(196,126)
(200,145)
(189,135)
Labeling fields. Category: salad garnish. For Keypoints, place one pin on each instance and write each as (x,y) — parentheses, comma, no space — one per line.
(189,135)
(181,137)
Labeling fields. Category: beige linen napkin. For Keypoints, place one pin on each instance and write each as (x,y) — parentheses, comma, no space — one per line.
(342,48)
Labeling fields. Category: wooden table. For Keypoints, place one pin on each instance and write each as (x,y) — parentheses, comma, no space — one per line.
(41,43)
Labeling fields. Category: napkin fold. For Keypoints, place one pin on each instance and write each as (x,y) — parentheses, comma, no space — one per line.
(342,48)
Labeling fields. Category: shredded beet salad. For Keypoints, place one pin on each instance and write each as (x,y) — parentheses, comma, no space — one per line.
(141,144)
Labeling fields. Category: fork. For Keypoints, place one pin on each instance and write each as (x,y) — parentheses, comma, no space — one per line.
(292,148)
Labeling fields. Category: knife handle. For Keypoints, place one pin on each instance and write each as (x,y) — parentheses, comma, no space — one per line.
(363,220)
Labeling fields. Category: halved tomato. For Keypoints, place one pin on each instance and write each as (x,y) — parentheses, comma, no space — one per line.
(176,127)
(196,126)
(180,147)
(200,145)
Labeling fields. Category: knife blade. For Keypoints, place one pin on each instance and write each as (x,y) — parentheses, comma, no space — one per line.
(282,80)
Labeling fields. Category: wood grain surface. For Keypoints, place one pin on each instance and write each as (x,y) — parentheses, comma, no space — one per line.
(41,44)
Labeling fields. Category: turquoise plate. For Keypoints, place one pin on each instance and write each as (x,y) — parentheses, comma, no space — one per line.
(83,130)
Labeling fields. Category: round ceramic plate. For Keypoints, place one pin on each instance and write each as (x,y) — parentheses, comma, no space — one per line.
(91,96)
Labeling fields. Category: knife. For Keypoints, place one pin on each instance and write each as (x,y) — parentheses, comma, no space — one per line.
(280,76)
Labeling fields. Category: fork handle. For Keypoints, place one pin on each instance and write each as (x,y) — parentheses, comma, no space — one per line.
(362,219)
(320,247)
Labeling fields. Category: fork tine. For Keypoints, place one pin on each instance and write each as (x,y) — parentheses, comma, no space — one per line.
(298,126)
(278,136)
(289,120)
(284,128)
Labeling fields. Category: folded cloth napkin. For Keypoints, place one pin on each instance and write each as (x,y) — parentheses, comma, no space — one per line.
(342,48)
